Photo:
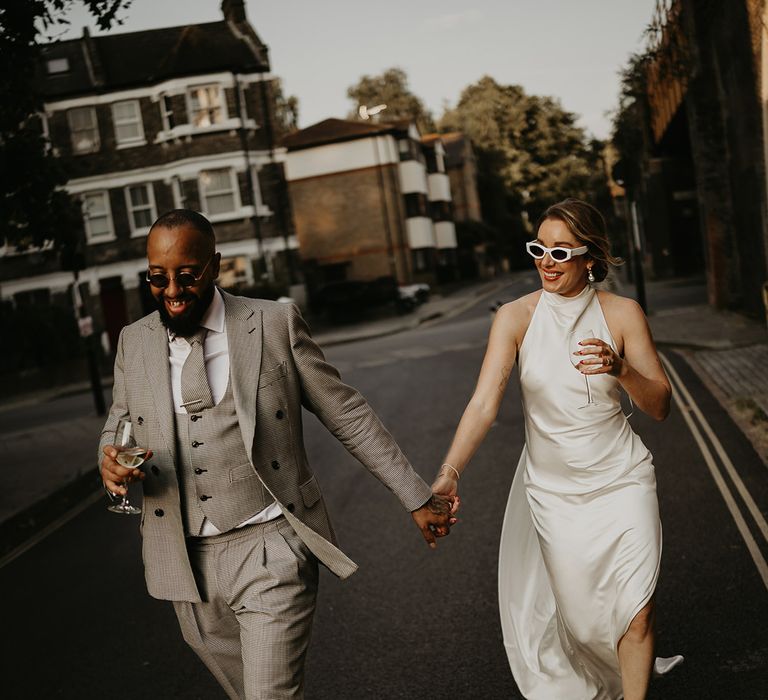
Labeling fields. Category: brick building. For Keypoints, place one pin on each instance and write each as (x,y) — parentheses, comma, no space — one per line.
(703,192)
(150,121)
(461,166)
(370,201)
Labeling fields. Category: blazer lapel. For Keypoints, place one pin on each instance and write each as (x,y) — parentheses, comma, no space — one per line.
(244,337)
(155,343)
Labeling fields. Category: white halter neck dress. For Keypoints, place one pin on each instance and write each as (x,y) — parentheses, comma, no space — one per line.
(581,541)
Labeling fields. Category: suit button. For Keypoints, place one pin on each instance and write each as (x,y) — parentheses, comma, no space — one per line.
(205,498)
(159,512)
(195,418)
(197,444)
(279,415)
(275,464)
(140,420)
(291,507)
(199,471)
(154,469)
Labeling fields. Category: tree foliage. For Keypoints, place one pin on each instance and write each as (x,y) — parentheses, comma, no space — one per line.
(34,209)
(286,110)
(529,144)
(530,154)
(390,88)
(629,121)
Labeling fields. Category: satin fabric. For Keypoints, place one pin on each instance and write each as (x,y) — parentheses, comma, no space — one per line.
(581,540)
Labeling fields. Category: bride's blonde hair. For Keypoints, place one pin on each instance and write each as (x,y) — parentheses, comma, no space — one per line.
(588,225)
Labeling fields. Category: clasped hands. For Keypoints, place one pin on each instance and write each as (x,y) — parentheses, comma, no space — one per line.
(436,517)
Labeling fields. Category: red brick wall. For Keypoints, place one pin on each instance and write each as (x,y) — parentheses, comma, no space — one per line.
(339,218)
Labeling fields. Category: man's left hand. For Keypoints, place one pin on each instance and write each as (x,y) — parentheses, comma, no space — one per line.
(435,517)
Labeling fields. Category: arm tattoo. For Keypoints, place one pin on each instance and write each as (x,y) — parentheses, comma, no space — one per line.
(505,372)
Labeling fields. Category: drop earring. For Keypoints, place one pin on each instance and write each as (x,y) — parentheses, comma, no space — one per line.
(590,275)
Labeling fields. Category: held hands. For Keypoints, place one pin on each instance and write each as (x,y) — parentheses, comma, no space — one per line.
(435,517)
(599,358)
(115,476)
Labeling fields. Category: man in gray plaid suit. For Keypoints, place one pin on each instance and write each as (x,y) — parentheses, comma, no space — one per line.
(234,522)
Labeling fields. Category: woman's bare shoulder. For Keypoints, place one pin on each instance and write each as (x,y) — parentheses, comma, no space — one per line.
(521,308)
(516,315)
(619,307)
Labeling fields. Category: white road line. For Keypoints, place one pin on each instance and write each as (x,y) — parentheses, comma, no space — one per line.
(49,529)
(687,405)
(724,458)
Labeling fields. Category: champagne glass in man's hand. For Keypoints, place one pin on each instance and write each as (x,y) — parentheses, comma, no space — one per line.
(128,455)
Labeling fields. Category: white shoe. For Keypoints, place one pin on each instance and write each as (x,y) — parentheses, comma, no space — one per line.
(664,664)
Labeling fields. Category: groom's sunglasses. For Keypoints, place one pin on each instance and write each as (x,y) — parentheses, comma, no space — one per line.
(183,279)
(557,254)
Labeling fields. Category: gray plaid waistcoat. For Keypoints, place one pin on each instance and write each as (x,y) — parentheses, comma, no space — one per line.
(216,479)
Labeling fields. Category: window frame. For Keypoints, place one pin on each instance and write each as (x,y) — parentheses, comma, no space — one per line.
(139,140)
(92,238)
(205,193)
(95,128)
(57,66)
(191,112)
(167,114)
(140,232)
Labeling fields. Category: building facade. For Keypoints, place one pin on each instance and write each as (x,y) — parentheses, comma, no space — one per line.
(703,191)
(152,121)
(370,201)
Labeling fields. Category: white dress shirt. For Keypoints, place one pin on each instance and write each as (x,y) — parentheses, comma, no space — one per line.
(216,353)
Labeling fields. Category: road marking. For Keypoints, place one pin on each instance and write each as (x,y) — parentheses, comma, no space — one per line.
(52,527)
(688,406)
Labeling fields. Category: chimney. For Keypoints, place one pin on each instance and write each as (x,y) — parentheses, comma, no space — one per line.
(234,11)
(92,59)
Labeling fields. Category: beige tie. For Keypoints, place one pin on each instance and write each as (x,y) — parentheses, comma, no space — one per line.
(195,390)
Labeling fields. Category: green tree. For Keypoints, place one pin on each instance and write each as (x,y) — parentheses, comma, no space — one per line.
(530,154)
(286,110)
(34,209)
(390,88)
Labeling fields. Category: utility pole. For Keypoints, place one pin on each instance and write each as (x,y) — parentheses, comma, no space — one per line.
(85,324)
(637,259)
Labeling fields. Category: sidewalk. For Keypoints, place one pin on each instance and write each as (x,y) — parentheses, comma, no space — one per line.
(727,350)
(36,488)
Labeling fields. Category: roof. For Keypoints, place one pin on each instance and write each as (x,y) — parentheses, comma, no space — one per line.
(338,130)
(457,148)
(118,61)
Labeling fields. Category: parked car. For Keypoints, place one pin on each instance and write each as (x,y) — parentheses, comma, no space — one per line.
(409,296)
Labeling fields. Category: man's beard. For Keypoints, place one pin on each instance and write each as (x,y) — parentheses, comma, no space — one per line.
(187,323)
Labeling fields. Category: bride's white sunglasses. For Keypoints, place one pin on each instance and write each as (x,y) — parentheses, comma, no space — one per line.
(557,254)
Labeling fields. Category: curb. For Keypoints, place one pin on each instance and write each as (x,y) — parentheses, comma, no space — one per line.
(24,526)
(413,323)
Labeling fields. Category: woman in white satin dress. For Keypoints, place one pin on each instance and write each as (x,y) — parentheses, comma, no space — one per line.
(581,541)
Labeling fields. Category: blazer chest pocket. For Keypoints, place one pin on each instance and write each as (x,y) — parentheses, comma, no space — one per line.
(270,376)
(242,472)
(310,492)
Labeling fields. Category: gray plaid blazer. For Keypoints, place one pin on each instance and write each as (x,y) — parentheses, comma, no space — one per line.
(274,366)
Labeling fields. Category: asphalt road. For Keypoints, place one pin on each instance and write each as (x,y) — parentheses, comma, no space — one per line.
(412,623)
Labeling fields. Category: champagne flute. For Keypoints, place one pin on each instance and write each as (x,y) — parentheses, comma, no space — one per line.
(130,455)
(574,339)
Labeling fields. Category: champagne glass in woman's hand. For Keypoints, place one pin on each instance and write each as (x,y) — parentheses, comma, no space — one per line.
(129,455)
(575,340)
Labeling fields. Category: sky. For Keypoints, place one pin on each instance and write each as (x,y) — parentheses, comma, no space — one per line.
(569,49)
